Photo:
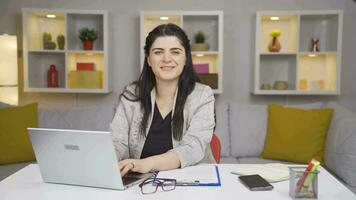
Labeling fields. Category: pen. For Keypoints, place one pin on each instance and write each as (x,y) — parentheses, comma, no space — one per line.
(186,183)
(305,174)
(310,176)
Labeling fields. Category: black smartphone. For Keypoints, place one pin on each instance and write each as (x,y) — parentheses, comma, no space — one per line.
(255,182)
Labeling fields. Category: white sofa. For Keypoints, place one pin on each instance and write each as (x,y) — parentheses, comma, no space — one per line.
(242,130)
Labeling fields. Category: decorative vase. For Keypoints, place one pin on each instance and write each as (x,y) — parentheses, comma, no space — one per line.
(200,47)
(52,77)
(314,44)
(88,45)
(274,45)
(60,42)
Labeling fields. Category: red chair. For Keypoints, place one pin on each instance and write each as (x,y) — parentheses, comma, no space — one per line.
(215,146)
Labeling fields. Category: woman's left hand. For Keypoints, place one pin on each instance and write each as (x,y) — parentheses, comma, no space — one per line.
(134,165)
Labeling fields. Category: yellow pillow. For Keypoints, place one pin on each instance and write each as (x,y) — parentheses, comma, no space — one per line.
(296,135)
(15,145)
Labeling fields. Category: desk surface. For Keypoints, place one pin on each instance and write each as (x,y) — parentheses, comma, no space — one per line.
(27,184)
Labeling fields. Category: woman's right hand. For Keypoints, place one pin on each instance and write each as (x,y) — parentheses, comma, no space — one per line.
(134,165)
(125,166)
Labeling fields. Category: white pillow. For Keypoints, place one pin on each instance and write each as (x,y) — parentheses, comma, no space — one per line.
(340,148)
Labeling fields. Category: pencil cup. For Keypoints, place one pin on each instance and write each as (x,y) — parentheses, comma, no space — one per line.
(302,184)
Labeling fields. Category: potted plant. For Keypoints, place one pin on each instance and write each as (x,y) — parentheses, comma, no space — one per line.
(87,36)
(200,44)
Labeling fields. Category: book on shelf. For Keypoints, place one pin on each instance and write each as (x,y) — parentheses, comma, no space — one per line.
(85,66)
(202,68)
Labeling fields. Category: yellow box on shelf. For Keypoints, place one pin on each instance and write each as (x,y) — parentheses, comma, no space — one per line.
(85,79)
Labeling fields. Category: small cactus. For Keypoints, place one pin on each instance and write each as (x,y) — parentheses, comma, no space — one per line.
(50,45)
(47,37)
(60,41)
(199,37)
(47,41)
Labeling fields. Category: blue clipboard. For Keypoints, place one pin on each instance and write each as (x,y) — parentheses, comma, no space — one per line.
(217,184)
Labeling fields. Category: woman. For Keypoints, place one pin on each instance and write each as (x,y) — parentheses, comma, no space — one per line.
(164,120)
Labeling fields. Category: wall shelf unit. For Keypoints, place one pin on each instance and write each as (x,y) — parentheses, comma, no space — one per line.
(210,23)
(304,69)
(38,58)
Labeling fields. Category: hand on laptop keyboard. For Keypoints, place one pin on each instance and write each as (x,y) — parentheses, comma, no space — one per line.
(134,165)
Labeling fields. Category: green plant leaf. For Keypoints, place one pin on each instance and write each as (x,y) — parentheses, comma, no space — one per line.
(86,34)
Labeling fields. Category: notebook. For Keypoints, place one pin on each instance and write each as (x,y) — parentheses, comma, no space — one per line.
(272,172)
(77,157)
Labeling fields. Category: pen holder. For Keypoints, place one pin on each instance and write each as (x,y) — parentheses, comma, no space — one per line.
(302,184)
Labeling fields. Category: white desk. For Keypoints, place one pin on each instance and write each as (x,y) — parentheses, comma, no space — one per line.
(27,184)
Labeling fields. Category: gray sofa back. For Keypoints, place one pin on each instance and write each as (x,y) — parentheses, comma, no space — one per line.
(242,130)
(96,118)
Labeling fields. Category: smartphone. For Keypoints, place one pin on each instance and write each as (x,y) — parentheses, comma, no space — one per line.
(255,182)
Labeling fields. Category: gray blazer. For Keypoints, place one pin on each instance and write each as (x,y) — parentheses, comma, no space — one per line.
(197,129)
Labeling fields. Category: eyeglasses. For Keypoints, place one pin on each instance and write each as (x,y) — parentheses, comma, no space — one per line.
(150,185)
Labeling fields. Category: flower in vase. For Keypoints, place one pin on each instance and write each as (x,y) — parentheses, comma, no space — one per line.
(275,33)
(274,45)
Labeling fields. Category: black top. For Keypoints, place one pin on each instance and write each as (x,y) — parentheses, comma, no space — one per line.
(159,137)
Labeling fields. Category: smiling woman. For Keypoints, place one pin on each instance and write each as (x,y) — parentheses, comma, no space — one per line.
(167,59)
(165,119)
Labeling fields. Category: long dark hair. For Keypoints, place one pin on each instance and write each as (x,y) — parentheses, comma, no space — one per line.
(147,81)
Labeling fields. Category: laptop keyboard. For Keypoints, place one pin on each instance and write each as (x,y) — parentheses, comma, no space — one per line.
(128,179)
(133,177)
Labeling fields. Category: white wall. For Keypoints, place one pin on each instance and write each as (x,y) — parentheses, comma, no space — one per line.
(239,25)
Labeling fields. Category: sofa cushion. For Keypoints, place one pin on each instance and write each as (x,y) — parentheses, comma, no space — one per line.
(222,126)
(91,118)
(307,106)
(5,105)
(340,150)
(248,129)
(257,160)
(229,160)
(296,135)
(15,144)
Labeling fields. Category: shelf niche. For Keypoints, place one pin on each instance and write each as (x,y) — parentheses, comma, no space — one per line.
(323,27)
(209,25)
(39,64)
(75,22)
(278,68)
(317,73)
(287,24)
(38,23)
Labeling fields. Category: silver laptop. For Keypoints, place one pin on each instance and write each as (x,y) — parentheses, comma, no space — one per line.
(76,157)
